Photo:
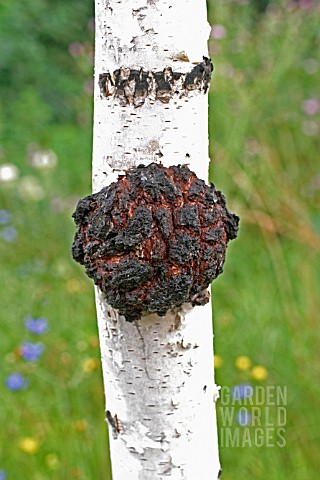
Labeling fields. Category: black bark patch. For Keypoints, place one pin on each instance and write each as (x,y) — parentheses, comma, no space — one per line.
(199,76)
(164,219)
(196,189)
(154,239)
(130,275)
(138,227)
(187,217)
(169,293)
(132,86)
(184,249)
(212,235)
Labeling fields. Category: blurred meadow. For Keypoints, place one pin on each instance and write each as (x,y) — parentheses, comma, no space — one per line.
(264,144)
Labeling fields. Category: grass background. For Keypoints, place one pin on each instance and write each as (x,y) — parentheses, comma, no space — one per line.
(264,150)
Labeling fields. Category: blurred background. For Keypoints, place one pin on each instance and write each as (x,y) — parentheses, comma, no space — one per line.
(264,131)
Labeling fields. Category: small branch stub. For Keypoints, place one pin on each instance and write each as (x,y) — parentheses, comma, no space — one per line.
(153,240)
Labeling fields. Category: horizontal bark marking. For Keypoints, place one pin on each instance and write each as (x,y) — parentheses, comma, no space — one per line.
(133,86)
(114,423)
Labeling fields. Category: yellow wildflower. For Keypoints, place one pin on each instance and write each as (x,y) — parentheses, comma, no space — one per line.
(74,286)
(217,361)
(81,425)
(75,472)
(29,445)
(94,341)
(243,362)
(90,364)
(259,373)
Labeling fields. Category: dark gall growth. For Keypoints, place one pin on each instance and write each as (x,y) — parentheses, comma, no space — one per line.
(153,240)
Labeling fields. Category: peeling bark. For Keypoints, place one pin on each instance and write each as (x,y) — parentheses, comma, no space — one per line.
(158,371)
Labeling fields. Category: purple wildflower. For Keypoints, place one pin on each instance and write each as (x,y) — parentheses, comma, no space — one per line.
(311,106)
(16,382)
(31,351)
(76,49)
(5,218)
(218,32)
(242,391)
(3,475)
(243,417)
(38,326)
(306,4)
(9,234)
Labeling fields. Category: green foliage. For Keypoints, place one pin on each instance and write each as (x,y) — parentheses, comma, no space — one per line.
(264,147)
(41,82)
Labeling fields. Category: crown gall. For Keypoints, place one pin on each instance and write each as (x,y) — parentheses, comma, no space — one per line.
(153,240)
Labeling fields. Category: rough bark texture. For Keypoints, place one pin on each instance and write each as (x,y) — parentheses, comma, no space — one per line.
(131,86)
(153,240)
(158,371)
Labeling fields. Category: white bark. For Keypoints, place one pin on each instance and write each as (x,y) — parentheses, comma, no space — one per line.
(158,371)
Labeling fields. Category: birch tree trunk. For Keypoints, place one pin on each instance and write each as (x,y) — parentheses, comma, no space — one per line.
(158,371)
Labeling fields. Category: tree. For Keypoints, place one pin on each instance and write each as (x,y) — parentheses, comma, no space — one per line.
(151,78)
